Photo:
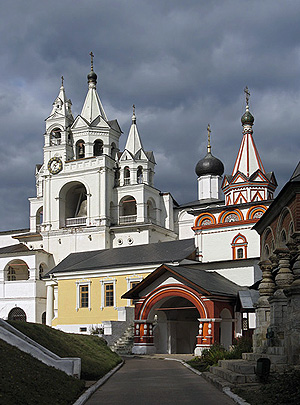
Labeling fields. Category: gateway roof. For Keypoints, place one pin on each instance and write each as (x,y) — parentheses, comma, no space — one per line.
(206,282)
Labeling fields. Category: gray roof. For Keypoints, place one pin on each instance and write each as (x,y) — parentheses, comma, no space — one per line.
(248,298)
(210,281)
(206,282)
(18,247)
(154,253)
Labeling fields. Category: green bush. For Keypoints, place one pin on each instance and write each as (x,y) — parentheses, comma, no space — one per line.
(240,345)
(216,352)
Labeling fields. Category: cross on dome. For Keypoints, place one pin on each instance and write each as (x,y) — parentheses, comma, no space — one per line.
(208,139)
(247,95)
(92,60)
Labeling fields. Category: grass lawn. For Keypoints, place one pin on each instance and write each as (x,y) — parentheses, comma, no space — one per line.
(26,381)
(96,358)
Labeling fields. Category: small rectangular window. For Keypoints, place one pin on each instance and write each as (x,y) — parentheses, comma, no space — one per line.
(132,285)
(109,295)
(83,329)
(83,296)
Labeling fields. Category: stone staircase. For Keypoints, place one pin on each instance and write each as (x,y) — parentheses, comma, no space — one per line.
(232,372)
(124,344)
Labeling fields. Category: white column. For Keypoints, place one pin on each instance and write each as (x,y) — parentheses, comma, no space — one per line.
(50,302)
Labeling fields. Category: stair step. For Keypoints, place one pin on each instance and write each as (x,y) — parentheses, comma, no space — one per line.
(275,359)
(232,377)
(218,382)
(238,366)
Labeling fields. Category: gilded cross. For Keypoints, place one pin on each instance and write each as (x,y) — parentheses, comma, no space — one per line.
(62,80)
(92,60)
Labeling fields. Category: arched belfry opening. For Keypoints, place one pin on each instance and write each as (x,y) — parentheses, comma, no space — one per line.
(98,147)
(127,210)
(73,205)
(80,149)
(55,137)
(16,270)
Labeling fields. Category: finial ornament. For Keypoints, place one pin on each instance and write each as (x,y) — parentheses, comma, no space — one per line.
(62,80)
(247,94)
(208,139)
(92,61)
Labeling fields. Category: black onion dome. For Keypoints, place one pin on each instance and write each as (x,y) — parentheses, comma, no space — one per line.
(247,118)
(209,165)
(92,77)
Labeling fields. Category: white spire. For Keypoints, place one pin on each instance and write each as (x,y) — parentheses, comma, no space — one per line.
(92,106)
(133,143)
(62,105)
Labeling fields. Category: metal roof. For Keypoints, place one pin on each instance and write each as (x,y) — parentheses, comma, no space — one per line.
(152,253)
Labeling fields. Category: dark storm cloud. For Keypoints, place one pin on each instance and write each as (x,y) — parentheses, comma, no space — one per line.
(184,65)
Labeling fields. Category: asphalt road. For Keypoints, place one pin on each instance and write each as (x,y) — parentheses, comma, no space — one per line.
(144,381)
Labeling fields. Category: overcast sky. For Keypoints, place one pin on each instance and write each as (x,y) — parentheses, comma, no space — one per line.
(184,64)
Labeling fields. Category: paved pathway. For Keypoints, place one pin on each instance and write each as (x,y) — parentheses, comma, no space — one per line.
(143,381)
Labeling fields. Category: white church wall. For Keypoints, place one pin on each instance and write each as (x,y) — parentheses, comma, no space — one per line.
(185,224)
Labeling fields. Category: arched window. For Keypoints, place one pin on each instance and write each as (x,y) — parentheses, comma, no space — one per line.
(139,175)
(113,150)
(151,211)
(55,137)
(126,176)
(17,314)
(98,147)
(39,219)
(42,270)
(127,210)
(17,270)
(80,149)
(239,247)
(44,318)
(117,176)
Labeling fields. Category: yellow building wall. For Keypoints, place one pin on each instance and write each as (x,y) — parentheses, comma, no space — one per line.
(67,295)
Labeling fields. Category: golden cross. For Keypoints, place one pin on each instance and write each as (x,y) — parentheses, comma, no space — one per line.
(62,80)
(247,94)
(92,60)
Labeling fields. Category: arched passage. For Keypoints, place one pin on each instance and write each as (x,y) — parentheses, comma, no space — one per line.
(172,314)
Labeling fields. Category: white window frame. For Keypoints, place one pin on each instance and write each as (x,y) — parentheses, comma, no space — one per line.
(132,279)
(108,281)
(78,284)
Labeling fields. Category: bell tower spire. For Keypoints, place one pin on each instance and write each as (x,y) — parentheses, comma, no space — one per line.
(249,180)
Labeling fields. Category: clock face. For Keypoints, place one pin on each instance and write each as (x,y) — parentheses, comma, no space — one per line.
(55,165)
